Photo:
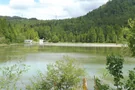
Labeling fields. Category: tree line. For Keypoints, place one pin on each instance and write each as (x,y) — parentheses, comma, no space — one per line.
(55,32)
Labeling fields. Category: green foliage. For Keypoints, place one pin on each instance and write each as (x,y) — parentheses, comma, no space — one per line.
(3,25)
(44,32)
(55,39)
(114,65)
(99,85)
(130,83)
(31,34)
(92,36)
(9,76)
(3,40)
(100,36)
(70,37)
(63,75)
(5,31)
(126,33)
(131,36)
(39,83)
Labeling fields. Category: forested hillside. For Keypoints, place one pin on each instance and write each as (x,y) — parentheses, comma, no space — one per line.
(103,25)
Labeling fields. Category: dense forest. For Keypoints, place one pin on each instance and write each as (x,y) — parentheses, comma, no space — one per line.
(105,24)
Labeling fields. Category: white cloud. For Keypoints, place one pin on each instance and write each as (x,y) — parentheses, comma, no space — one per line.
(21,4)
(49,9)
(6,11)
(58,2)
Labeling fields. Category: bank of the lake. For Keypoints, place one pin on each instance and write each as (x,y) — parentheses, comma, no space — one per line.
(11,44)
(72,44)
(86,44)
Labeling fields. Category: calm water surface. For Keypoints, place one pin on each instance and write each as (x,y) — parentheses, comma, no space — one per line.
(37,57)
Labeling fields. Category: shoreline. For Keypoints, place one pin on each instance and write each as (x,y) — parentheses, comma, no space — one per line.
(72,44)
(12,44)
(85,44)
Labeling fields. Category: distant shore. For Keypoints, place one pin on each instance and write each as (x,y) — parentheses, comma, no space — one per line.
(75,44)
(86,44)
(12,44)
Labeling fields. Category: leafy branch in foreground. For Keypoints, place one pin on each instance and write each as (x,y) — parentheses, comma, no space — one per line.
(10,75)
(130,83)
(114,65)
(100,86)
(131,36)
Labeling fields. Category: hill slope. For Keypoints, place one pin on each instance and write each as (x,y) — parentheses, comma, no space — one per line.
(113,12)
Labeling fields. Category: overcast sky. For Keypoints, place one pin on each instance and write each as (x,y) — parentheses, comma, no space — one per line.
(48,9)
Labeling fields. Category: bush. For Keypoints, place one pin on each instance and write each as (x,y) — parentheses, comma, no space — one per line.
(130,83)
(63,75)
(10,75)
(99,85)
(114,65)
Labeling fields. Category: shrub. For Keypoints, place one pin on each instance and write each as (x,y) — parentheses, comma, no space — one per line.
(114,65)
(10,75)
(63,75)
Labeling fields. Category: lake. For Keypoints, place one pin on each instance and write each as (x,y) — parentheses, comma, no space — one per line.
(93,59)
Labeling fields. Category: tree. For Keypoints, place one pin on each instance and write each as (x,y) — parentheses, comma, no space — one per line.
(92,36)
(3,25)
(55,39)
(130,83)
(5,30)
(110,34)
(44,32)
(77,39)
(100,36)
(31,34)
(70,37)
(114,65)
(125,34)
(131,39)
(113,37)
(63,75)
(118,31)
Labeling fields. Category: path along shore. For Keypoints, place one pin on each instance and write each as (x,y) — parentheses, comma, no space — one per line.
(77,44)
(86,44)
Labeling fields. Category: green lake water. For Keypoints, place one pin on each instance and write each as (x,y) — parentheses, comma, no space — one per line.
(93,59)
